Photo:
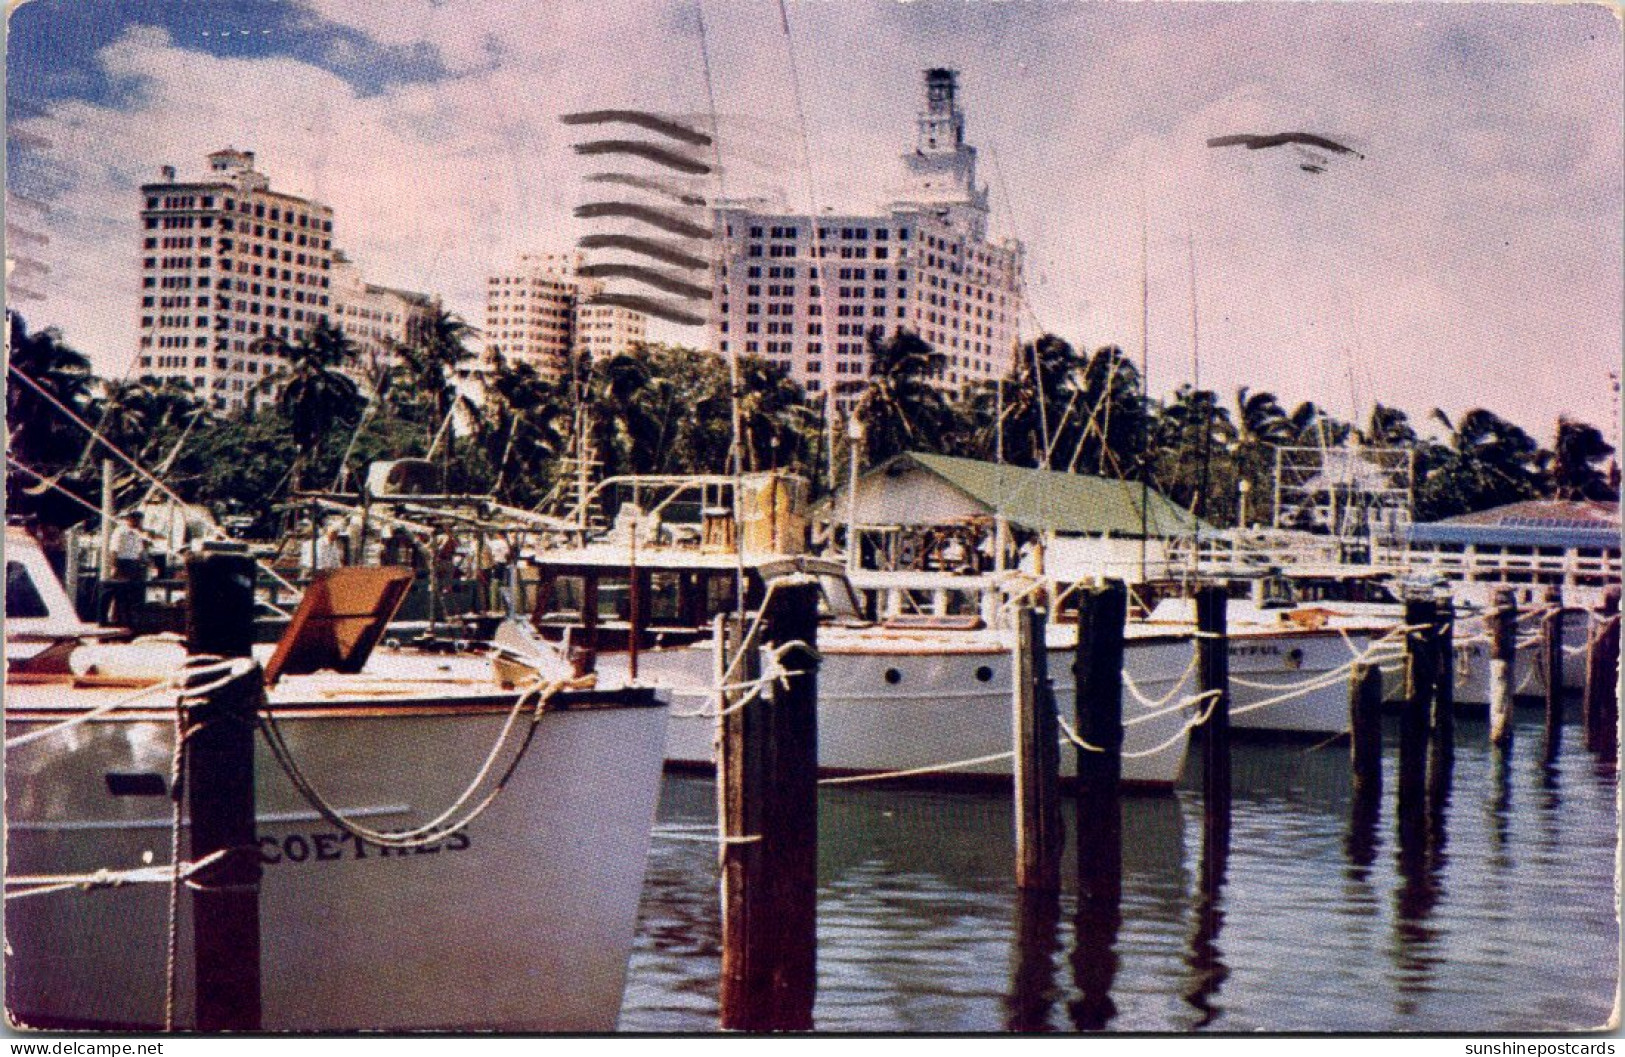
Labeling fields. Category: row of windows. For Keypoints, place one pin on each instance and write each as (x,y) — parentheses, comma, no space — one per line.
(246,208)
(757,231)
(860,253)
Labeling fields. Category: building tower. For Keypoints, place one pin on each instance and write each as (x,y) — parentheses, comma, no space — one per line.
(806,293)
(227,263)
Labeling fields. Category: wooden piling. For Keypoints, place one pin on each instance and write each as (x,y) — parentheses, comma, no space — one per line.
(1443,719)
(1602,676)
(768,797)
(1037,758)
(1097,673)
(219,781)
(1365,725)
(1213,677)
(1421,614)
(1551,637)
(1502,624)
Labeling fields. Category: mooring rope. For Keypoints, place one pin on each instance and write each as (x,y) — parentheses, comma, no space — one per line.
(1139,696)
(775,673)
(176,682)
(442,826)
(953,765)
(44,884)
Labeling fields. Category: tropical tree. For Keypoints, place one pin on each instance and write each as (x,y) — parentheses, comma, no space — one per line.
(433,360)
(899,407)
(1573,470)
(41,435)
(1192,438)
(1486,462)
(312,392)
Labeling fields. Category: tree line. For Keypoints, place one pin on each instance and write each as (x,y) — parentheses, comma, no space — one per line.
(507,429)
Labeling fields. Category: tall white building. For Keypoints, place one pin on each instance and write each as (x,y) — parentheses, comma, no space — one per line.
(805,293)
(225,262)
(541,310)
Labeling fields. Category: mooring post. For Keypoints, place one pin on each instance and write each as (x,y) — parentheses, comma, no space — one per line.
(1213,678)
(1502,624)
(1421,660)
(1602,675)
(768,794)
(219,781)
(1097,674)
(1037,758)
(1551,638)
(1443,723)
(1365,725)
(791,629)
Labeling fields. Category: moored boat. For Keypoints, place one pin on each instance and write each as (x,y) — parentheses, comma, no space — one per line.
(515,912)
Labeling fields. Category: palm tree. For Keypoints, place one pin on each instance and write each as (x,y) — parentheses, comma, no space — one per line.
(1572,467)
(41,436)
(1041,414)
(1191,438)
(311,390)
(1487,462)
(899,407)
(434,358)
(1262,426)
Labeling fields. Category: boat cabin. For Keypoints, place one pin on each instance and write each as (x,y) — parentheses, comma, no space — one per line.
(600,596)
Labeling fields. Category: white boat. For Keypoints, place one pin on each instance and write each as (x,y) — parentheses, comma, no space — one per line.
(894,695)
(520,920)
(936,702)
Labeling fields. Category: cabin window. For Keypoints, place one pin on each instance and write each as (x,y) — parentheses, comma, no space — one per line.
(614,598)
(665,605)
(719,593)
(22,597)
(567,597)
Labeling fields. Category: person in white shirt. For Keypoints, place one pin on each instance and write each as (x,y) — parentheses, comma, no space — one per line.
(127,587)
(325,552)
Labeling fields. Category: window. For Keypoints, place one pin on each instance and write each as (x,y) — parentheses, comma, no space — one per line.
(22,597)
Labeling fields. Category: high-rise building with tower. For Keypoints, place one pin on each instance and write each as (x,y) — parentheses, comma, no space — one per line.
(227,262)
(806,292)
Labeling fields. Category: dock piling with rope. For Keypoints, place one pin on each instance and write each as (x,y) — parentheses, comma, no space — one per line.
(1213,675)
(216,739)
(1097,672)
(767,796)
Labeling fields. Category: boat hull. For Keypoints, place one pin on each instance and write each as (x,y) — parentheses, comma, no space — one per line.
(522,921)
(883,711)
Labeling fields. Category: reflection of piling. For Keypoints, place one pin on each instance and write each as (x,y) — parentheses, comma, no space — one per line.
(1551,639)
(767,792)
(1421,659)
(1037,759)
(1032,976)
(1213,674)
(1502,622)
(1097,671)
(1602,676)
(219,782)
(1098,675)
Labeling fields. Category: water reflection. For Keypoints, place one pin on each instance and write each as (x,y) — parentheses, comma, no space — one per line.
(1297,922)
(1099,914)
(1208,971)
(1033,990)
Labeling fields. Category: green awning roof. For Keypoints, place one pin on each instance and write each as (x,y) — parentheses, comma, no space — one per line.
(1050,501)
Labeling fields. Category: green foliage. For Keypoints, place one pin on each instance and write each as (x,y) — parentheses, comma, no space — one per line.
(668,410)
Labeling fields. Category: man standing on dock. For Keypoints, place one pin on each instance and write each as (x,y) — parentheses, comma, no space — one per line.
(128,586)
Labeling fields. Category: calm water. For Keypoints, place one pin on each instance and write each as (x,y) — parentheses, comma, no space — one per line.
(1496,913)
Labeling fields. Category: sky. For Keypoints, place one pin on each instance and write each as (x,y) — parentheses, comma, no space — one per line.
(1466,253)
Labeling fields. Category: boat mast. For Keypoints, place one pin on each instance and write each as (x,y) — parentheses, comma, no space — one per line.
(1145,384)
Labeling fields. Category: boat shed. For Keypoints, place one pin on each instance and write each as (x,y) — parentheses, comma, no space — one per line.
(917,489)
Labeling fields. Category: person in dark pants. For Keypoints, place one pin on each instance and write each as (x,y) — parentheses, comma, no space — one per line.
(128,586)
